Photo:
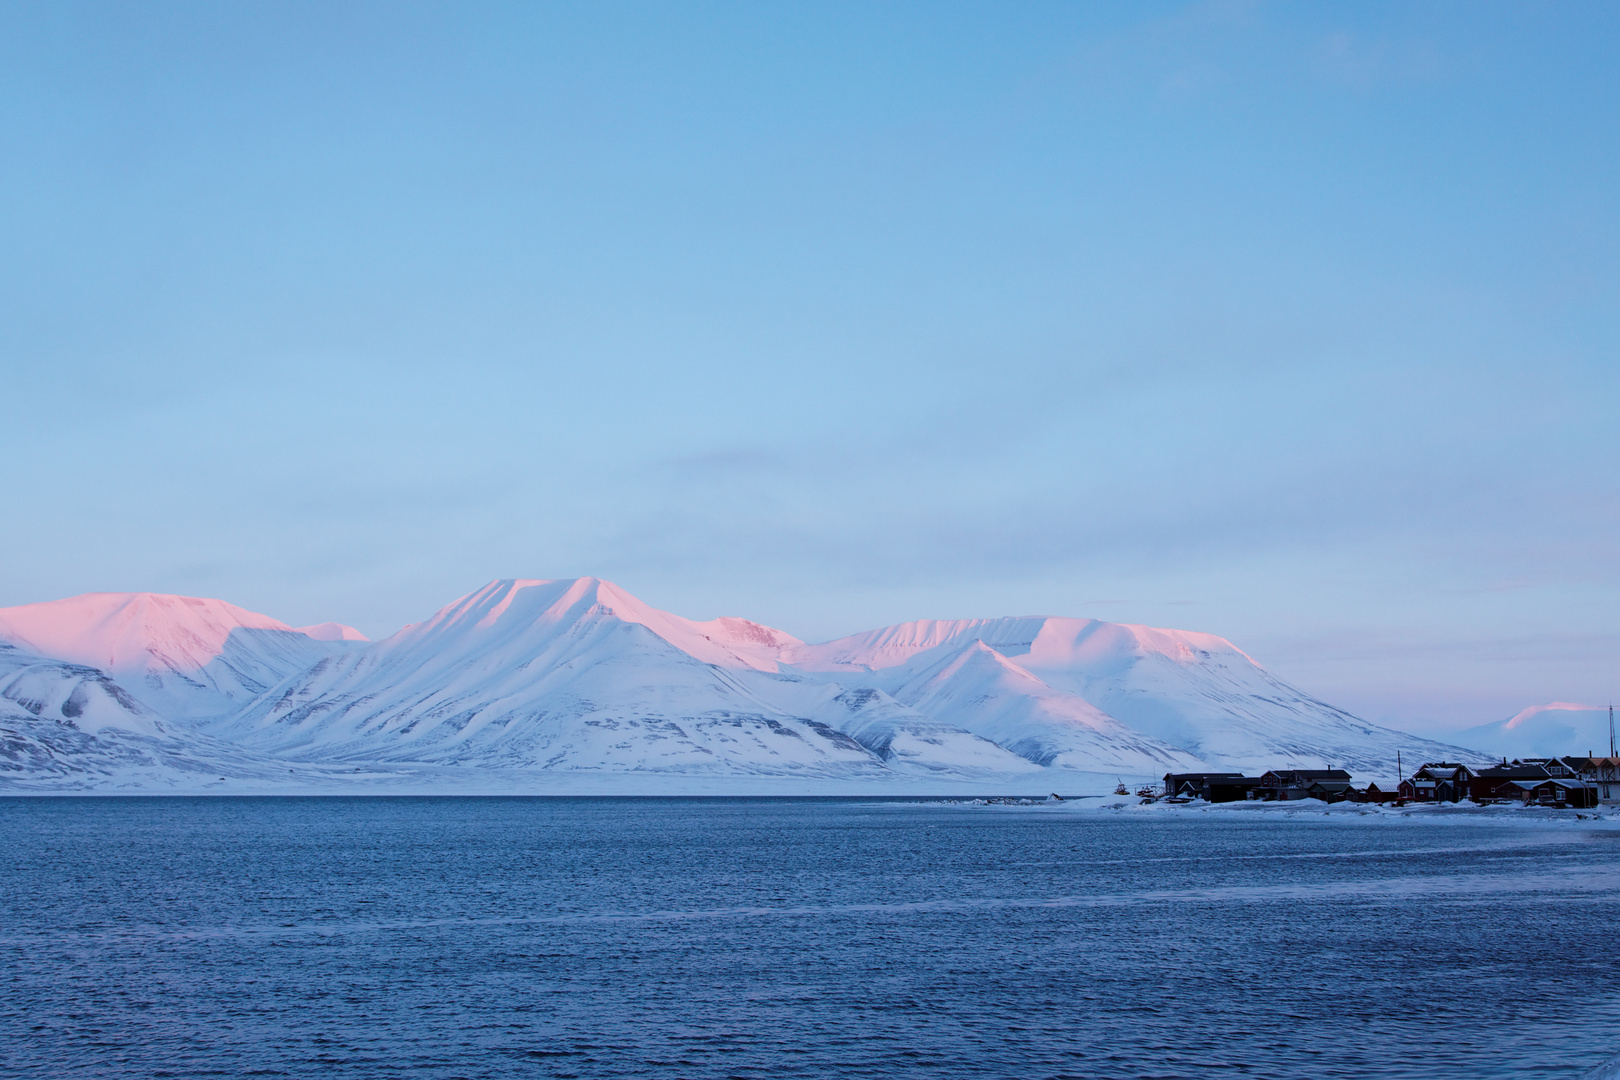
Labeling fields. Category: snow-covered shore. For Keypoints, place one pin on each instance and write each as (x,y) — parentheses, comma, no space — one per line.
(449,780)
(1316,810)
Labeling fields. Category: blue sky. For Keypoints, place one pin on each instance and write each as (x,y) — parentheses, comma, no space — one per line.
(1295,323)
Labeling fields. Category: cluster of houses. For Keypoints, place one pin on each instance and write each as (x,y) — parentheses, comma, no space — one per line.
(1579,782)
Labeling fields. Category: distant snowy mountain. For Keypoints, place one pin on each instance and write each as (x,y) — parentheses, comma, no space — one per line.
(1554,729)
(580,676)
(180,656)
(1168,699)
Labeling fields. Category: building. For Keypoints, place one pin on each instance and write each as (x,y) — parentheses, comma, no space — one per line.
(1439,781)
(1568,781)
(1379,793)
(1602,773)
(1491,782)
(1331,790)
(1211,786)
(1192,785)
(1552,791)
(1287,784)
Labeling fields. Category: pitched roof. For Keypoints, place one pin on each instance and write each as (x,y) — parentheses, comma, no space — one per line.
(1546,781)
(1513,772)
(1310,774)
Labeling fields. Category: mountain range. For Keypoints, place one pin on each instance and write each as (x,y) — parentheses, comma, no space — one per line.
(541,679)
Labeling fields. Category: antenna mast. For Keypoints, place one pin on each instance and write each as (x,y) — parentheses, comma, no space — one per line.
(1611,730)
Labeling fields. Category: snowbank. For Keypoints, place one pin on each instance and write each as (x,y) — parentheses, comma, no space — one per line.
(1314,809)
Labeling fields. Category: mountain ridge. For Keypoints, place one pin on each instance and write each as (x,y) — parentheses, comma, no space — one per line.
(579,674)
(179,656)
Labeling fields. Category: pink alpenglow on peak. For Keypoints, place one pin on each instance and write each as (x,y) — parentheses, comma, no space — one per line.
(1528,716)
(579,675)
(1553,729)
(1038,641)
(178,655)
(1179,694)
(332,631)
(575,675)
(123,632)
(525,606)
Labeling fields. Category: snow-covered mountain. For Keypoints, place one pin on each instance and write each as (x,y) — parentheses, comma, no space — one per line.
(582,675)
(556,674)
(71,695)
(180,656)
(973,685)
(906,739)
(1553,729)
(1071,690)
(66,726)
(579,675)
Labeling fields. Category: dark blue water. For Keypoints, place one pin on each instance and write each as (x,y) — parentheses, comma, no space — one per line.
(662,938)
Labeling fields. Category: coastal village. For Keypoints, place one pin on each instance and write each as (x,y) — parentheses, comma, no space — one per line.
(1574,782)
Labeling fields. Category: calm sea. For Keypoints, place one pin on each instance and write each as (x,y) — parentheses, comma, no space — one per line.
(674,938)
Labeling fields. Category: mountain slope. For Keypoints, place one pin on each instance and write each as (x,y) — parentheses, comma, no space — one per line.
(549,674)
(70,726)
(983,691)
(906,739)
(73,696)
(181,656)
(332,631)
(1194,693)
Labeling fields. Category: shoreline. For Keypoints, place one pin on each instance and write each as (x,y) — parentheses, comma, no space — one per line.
(1314,809)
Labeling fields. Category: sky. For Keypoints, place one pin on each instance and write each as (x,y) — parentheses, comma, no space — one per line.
(1291,322)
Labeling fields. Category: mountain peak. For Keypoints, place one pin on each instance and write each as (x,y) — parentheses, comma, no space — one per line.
(1558,727)
(532,609)
(1524,716)
(332,631)
(127,631)
(177,654)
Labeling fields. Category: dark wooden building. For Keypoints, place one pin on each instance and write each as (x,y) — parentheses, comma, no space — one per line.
(1379,793)
(1211,786)
(1286,784)
(1552,791)
(1538,782)
(1331,790)
(1439,781)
